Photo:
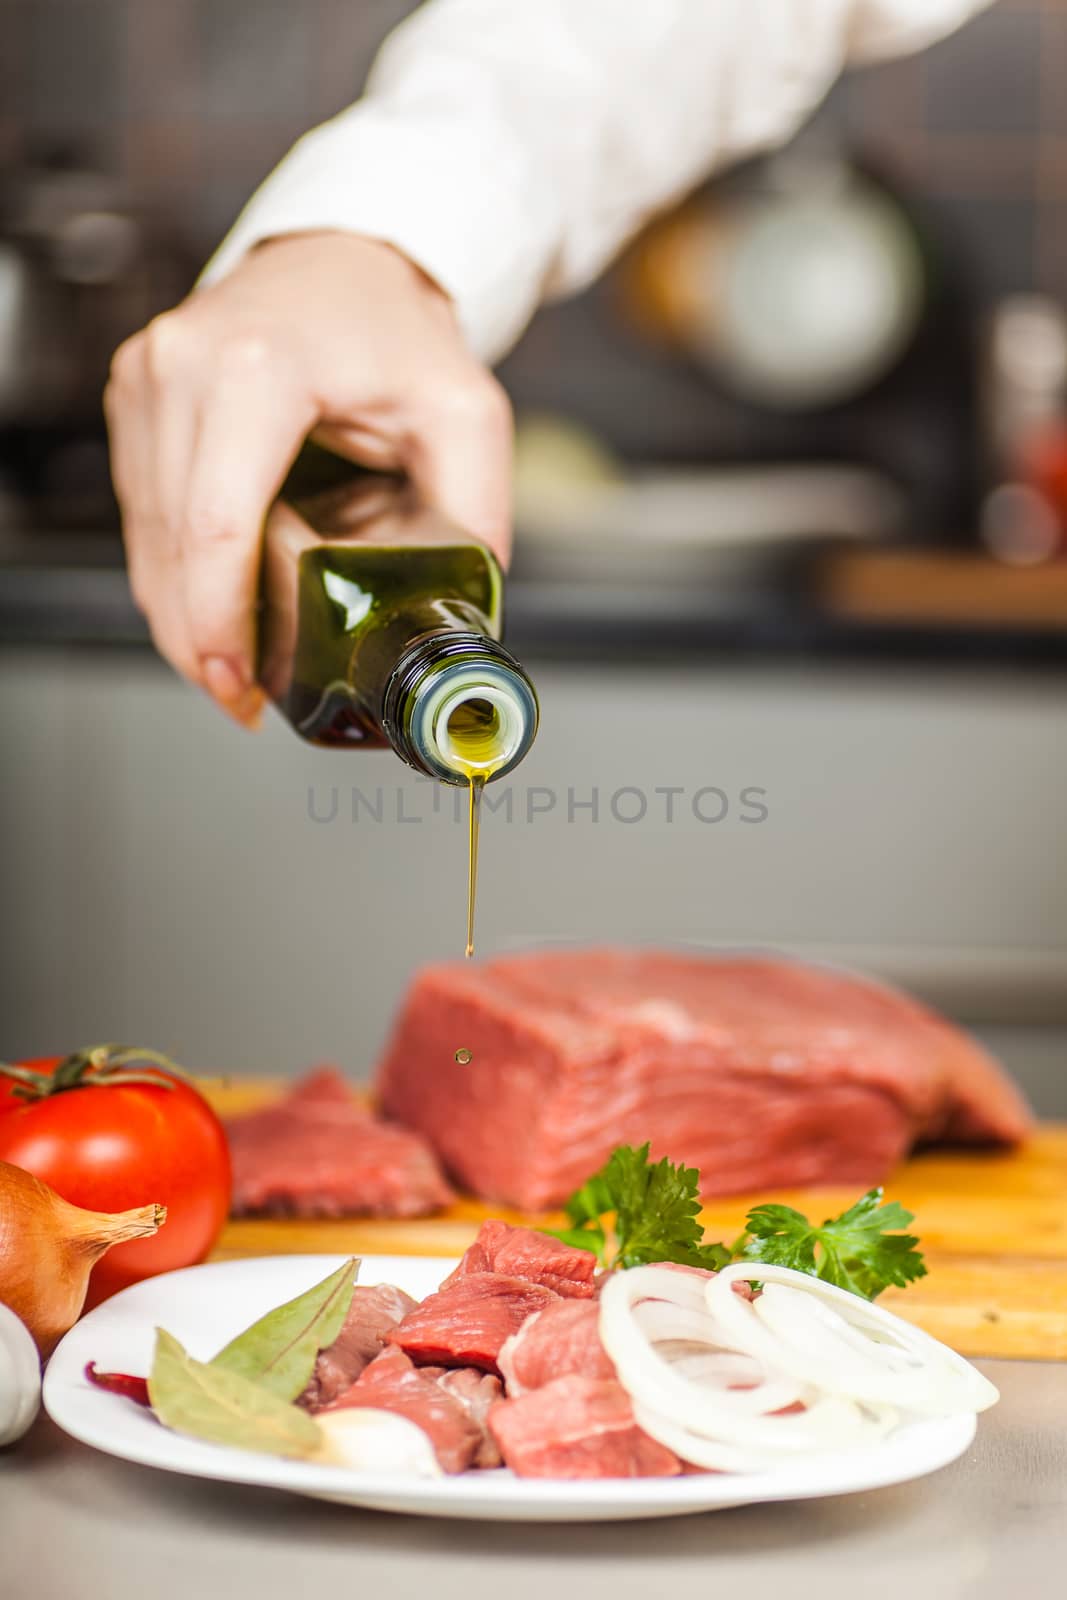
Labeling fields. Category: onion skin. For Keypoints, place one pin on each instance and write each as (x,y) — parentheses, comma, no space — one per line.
(47,1250)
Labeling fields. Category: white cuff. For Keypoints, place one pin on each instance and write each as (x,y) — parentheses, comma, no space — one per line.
(427,186)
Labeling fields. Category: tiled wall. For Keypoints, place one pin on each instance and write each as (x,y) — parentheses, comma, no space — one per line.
(194,100)
(979,125)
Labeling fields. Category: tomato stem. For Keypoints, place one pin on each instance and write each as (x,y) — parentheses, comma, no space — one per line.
(21,1075)
(99,1066)
(105,1080)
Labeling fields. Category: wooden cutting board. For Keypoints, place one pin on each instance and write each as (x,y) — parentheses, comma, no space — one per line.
(994,1228)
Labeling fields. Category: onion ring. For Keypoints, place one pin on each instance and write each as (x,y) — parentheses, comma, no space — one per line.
(842,1344)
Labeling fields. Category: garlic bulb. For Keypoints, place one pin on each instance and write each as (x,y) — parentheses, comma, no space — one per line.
(20,1377)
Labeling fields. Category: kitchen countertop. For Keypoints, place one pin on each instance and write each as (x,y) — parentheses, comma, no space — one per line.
(77,1525)
(62,605)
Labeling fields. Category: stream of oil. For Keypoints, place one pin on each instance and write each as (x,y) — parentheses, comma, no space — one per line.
(476,741)
(477,746)
(477,784)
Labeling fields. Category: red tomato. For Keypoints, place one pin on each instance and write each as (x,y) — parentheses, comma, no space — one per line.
(118,1146)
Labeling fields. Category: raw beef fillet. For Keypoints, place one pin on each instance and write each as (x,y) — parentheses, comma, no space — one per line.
(375,1311)
(562,1339)
(525,1253)
(576,1427)
(465,1324)
(454,1423)
(764,1074)
(319,1153)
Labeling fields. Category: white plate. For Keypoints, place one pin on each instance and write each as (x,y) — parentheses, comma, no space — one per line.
(205,1306)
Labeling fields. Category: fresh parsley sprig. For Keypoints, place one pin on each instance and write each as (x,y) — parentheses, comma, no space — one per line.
(859,1250)
(635,1210)
(654,1205)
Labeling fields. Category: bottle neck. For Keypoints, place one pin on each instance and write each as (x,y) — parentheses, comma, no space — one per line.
(459,706)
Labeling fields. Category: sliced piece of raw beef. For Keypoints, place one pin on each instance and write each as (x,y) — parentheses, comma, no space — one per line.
(465,1324)
(322,1086)
(392,1383)
(559,1340)
(525,1253)
(762,1073)
(319,1153)
(375,1311)
(577,1427)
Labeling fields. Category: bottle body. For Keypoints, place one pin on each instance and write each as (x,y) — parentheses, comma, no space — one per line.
(384,631)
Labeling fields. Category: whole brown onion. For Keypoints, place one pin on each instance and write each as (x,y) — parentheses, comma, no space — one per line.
(47,1248)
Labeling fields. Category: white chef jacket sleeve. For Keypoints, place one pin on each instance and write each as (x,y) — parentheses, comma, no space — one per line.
(509,147)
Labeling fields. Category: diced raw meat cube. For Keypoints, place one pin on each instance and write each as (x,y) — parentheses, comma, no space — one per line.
(559,1340)
(392,1383)
(465,1324)
(477,1393)
(762,1073)
(525,1253)
(375,1311)
(578,1427)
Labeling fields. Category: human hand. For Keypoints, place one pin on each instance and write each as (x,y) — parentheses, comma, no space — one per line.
(207,407)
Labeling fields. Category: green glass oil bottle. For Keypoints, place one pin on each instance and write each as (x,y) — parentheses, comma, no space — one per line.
(380,626)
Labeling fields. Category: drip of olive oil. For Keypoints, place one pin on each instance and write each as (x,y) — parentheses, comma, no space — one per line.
(478,746)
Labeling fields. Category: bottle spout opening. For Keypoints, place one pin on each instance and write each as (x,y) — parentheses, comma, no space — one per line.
(458,707)
(480,728)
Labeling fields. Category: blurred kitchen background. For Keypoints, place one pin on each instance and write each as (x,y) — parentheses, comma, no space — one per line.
(792,501)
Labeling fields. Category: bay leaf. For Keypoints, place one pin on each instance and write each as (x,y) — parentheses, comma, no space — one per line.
(207,1402)
(278,1352)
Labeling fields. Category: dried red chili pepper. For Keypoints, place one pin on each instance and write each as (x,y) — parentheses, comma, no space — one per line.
(123,1383)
